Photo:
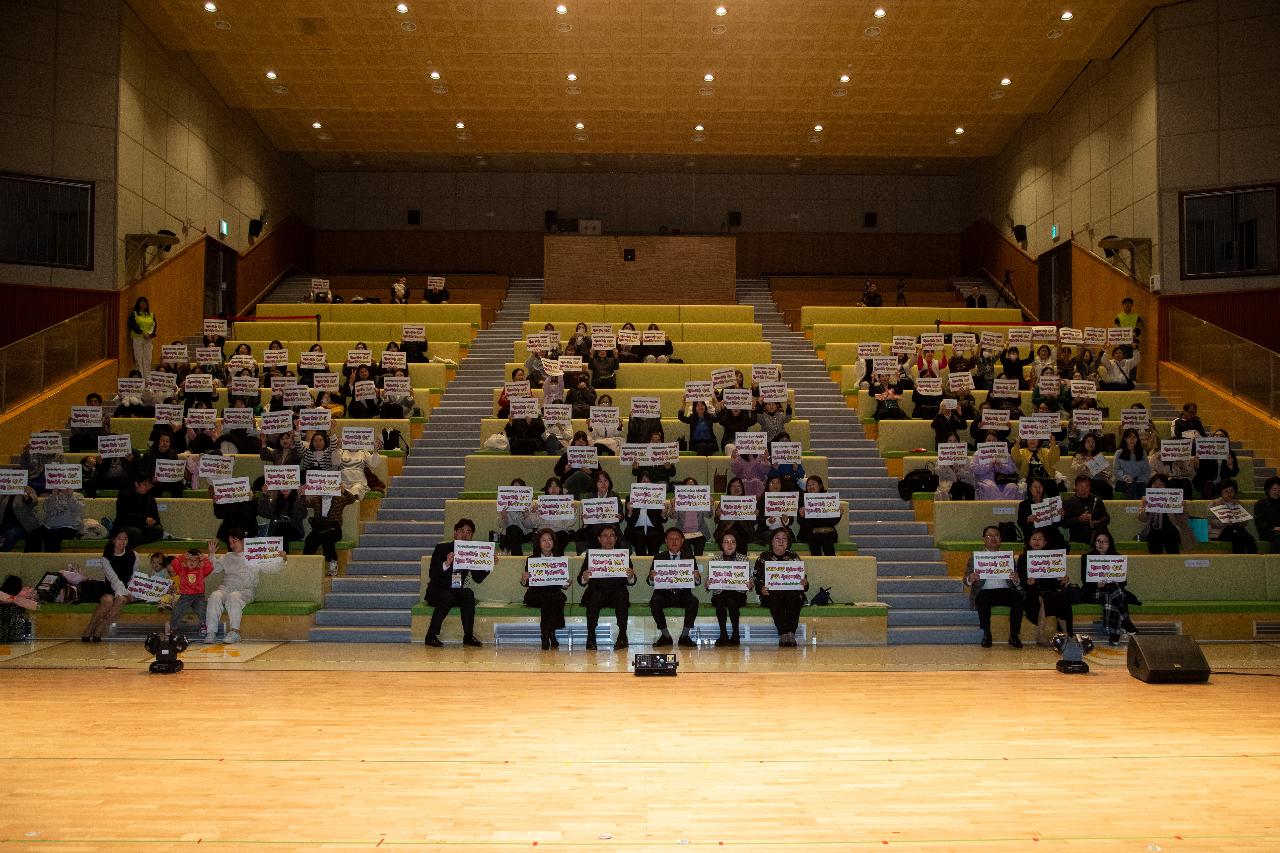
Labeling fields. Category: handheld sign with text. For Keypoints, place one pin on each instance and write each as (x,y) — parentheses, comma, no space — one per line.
(603,416)
(882,364)
(413,333)
(358,356)
(281,478)
(1120,336)
(1138,419)
(326,381)
(989,452)
(693,499)
(161,382)
(316,419)
(473,556)
(357,438)
(274,423)
(1044,334)
(1094,336)
(1020,336)
(821,505)
(312,360)
(603,343)
(1047,564)
(729,574)
(948,404)
(557,413)
(208,356)
(394,360)
(903,345)
(783,452)
(1232,513)
(324,483)
(992,342)
(555,507)
(1049,385)
(275,358)
(1005,388)
(175,353)
(778,504)
(198,383)
(1175,449)
(996,419)
(245,386)
(654,338)
(582,457)
(169,413)
(765,373)
(202,418)
(1106,568)
(232,490)
(523,407)
(783,575)
(665,453)
(300,395)
(929,386)
(953,453)
(365,390)
(570,363)
(601,329)
(959,382)
(514,498)
(63,476)
(723,377)
(215,327)
(870,349)
(697,390)
(646,407)
(170,470)
(933,341)
(993,565)
(435,283)
(606,563)
(673,574)
(1070,337)
(319,285)
(214,468)
(1046,512)
(737,399)
(548,571)
(751,443)
(1084,388)
(600,511)
(963,341)
(1213,448)
(773,392)
(86,417)
(237,418)
(738,508)
(648,496)
(628,338)
(635,454)
(13,481)
(396,387)
(1087,420)
(517,389)
(143,587)
(551,367)
(114,446)
(264,551)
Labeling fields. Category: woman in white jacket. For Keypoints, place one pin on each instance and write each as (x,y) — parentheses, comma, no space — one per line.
(239,586)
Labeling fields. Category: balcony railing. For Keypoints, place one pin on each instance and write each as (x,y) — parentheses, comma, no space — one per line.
(30,365)
(1240,367)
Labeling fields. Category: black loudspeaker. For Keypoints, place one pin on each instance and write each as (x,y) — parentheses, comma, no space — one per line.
(1020,233)
(255,228)
(870,218)
(1167,660)
(628,254)
(549,218)
(735,219)
(413,216)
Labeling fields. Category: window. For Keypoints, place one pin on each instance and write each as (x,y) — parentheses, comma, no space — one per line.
(46,222)
(1229,232)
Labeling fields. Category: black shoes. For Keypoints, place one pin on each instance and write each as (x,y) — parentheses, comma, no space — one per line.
(622,642)
(662,642)
(434,642)
(735,640)
(687,642)
(591,645)
(1015,641)
(986,639)
(470,640)
(722,641)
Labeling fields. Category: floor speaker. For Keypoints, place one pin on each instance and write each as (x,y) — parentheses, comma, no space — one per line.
(1167,659)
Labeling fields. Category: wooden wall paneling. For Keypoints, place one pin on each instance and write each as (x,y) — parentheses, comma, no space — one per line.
(983,246)
(517,254)
(1251,314)
(51,409)
(1259,432)
(286,247)
(29,309)
(1097,289)
(175,291)
(857,255)
(665,270)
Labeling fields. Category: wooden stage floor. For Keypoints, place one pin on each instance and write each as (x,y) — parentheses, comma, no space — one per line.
(301,754)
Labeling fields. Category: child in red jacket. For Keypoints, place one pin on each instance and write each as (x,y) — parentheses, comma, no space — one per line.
(189,571)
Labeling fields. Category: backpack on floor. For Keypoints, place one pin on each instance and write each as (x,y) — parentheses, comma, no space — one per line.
(822,597)
(919,480)
(393,440)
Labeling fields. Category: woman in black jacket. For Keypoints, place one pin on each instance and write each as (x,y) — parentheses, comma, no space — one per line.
(549,600)
(784,604)
(1053,592)
(702,435)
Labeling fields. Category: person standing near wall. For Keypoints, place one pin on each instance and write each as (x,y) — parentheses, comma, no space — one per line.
(142,332)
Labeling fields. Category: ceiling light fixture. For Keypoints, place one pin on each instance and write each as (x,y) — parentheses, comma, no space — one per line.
(1066,15)
(571,76)
(709,77)
(817,128)
(699,128)
(210,7)
(562,9)
(844,78)
(402,8)
(315,125)
(880,13)
(460,125)
(1005,81)
(435,75)
(959,130)
(721,11)
(271,75)
(580,126)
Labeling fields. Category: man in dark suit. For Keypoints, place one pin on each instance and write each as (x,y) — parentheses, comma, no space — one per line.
(674,548)
(447,589)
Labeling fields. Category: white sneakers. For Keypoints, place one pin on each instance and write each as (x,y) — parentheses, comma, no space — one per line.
(232,638)
(210,638)
(331,568)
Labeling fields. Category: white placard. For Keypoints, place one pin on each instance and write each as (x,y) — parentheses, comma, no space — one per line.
(1094,336)
(364,390)
(1005,388)
(783,575)
(1070,336)
(1120,335)
(13,481)
(237,418)
(557,413)
(435,283)
(312,360)
(604,563)
(821,505)
(394,360)
(991,451)
(783,452)
(175,353)
(953,453)
(1213,448)
(517,389)
(738,508)
(144,587)
(298,396)
(738,399)
(473,556)
(199,419)
(1044,334)
(645,407)
(1047,512)
(275,358)
(214,468)
(903,345)
(548,571)
(1047,564)
(170,470)
(648,496)
(264,551)
(232,490)
(319,285)
(654,338)
(765,373)
(324,483)
(396,387)
(773,392)
(673,574)
(929,386)
(198,383)
(729,574)
(1232,513)
(603,343)
(281,478)
(693,499)
(883,364)
(555,507)
(963,341)
(1106,568)
(933,341)
(169,413)
(245,386)
(316,419)
(357,438)
(992,342)
(1020,336)
(751,443)
(1138,419)
(604,416)
(63,476)
(551,367)
(698,390)
(628,338)
(114,446)
(636,454)
(208,356)
(582,457)
(86,417)
(995,419)
(1049,385)
(600,511)
(274,423)
(1084,388)
(413,333)
(570,363)
(215,327)
(993,565)
(523,407)
(601,329)
(870,349)
(960,382)
(664,453)
(358,356)
(1087,420)
(326,381)
(1175,449)
(724,377)
(131,386)
(514,498)
(778,504)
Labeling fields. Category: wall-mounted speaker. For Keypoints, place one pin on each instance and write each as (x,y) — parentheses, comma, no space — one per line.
(255,228)
(1020,233)
(735,219)
(414,216)
(870,219)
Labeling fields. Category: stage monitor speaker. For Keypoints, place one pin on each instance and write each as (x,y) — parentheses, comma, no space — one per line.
(870,218)
(549,219)
(255,228)
(735,219)
(414,216)
(1020,233)
(1167,660)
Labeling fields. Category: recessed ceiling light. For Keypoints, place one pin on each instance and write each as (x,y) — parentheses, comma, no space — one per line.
(1005,81)
(211,7)
(402,8)
(1066,15)
(562,9)
(844,78)
(817,128)
(435,75)
(880,13)
(571,76)
(699,128)
(315,125)
(580,126)
(460,125)
(271,75)
(709,78)
(959,130)
(721,11)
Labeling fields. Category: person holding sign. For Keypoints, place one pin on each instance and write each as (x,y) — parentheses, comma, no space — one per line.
(606,591)
(644,526)
(729,602)
(888,396)
(1033,515)
(1090,462)
(1084,512)
(1228,521)
(112,594)
(504,400)
(318,455)
(84,438)
(307,374)
(136,509)
(435,293)
(743,531)
(563,528)
(1049,596)
(581,397)
(1188,420)
(1164,532)
(415,350)
(240,577)
(1012,364)
(1112,595)
(579,342)
(548,598)
(784,604)
(1212,473)
(819,534)
(1266,514)
(768,524)
(773,418)
(286,514)
(581,480)
(234,515)
(995,474)
(1130,468)
(1116,371)
(791,473)
(691,522)
(142,333)
(733,421)
(447,588)
(361,393)
(954,470)
(653,351)
(702,422)
(326,525)
(517,524)
(524,435)
(604,369)
(657,472)
(1038,460)
(992,582)
(684,599)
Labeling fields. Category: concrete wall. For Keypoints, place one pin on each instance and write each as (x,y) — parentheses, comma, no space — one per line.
(1219,113)
(637,202)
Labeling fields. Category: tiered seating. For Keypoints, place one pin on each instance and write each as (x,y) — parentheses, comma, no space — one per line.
(793,293)
(484,290)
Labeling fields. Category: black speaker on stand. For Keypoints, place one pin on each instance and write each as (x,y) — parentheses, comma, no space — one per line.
(1020,233)
(1167,659)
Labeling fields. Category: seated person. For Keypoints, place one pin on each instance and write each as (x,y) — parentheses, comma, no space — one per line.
(1084,512)
(986,593)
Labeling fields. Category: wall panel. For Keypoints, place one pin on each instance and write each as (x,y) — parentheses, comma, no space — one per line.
(665,270)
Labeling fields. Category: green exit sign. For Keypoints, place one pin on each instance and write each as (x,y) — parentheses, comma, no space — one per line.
(224,229)
(1053,232)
